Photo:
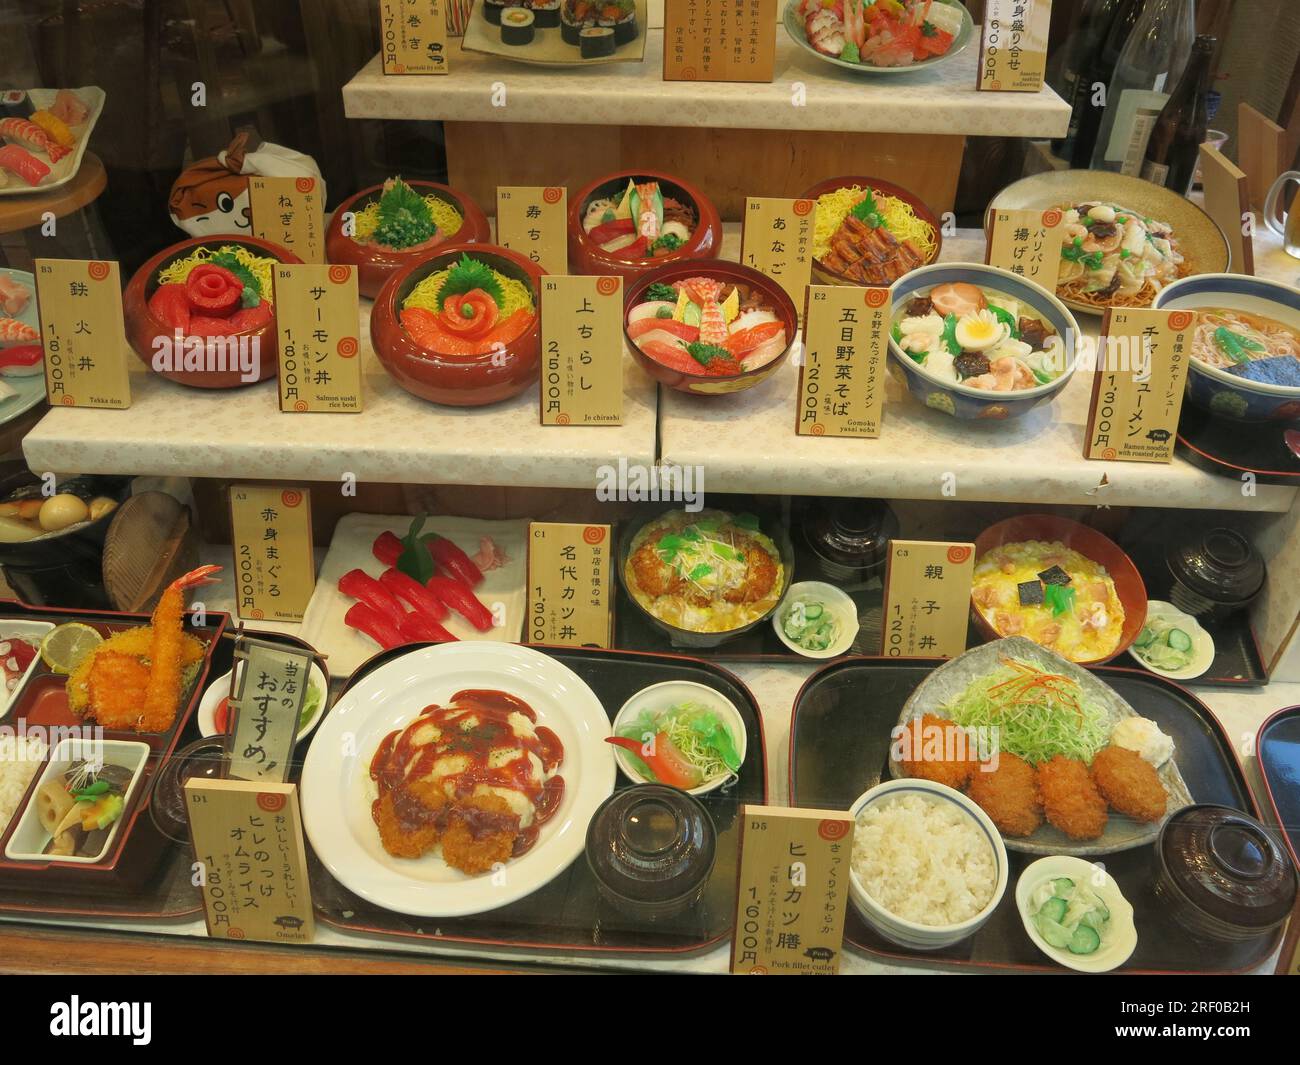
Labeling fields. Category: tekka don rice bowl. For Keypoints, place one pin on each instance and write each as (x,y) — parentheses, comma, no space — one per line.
(974,341)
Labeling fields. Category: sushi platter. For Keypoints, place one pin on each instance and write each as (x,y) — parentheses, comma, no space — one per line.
(45,133)
(22,363)
(559,33)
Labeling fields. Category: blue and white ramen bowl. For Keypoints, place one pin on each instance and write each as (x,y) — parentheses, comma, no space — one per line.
(962,400)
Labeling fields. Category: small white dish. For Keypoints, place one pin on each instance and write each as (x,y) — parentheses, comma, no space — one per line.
(666,694)
(840,605)
(16,628)
(1202,642)
(220,689)
(1120,941)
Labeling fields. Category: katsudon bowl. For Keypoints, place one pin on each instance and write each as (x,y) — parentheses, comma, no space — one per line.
(965,401)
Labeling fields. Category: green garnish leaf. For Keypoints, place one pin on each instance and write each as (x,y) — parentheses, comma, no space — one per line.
(252,294)
(865,211)
(700,572)
(928,29)
(1075,254)
(415,560)
(746,521)
(1059,598)
(850,53)
(949,336)
(1237,347)
(706,353)
(404,217)
(1006,318)
(897,334)
(670,241)
(466,276)
(659,291)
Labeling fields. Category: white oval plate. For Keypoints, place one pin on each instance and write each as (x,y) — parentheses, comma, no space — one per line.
(1202,643)
(337,790)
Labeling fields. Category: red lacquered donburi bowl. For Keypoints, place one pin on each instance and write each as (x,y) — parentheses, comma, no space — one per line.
(456,380)
(703,384)
(1089,543)
(587,257)
(143,329)
(375,265)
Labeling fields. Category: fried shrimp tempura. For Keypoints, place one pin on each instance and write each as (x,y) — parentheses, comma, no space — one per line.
(936,749)
(1129,783)
(1070,800)
(1009,795)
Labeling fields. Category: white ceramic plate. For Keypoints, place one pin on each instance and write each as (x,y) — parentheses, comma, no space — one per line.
(337,790)
(1202,642)
(346,649)
(30,630)
(220,689)
(30,389)
(794,26)
(833,599)
(66,168)
(1121,936)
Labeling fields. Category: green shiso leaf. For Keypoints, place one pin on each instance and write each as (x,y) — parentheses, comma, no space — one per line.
(865,211)
(466,276)
(404,217)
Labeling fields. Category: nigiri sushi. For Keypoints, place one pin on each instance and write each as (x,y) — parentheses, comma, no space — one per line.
(13,296)
(12,331)
(23,163)
(55,128)
(69,108)
(27,360)
(32,137)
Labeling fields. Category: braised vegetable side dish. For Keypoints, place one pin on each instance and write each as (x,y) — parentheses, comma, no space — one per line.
(80,807)
(881,33)
(1112,256)
(468,309)
(642,223)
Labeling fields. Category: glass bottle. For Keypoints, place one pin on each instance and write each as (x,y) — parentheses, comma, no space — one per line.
(1179,132)
(1097,69)
(1078,52)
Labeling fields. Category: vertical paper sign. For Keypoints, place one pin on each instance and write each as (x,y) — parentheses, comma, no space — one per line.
(317,320)
(290,212)
(719,40)
(271,537)
(841,378)
(569,592)
(413,35)
(793,890)
(927,598)
(271,688)
(776,240)
(80,307)
(1137,391)
(582,350)
(1028,243)
(533,220)
(248,843)
(1013,45)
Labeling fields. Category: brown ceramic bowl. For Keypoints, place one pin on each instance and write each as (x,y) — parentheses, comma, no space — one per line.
(587,257)
(374,263)
(823,276)
(703,384)
(142,328)
(1089,543)
(456,380)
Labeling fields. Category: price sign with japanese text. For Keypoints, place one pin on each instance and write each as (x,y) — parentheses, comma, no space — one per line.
(80,307)
(271,686)
(570,598)
(719,40)
(927,598)
(275,572)
(534,221)
(793,891)
(776,240)
(1028,243)
(413,36)
(290,212)
(1013,45)
(317,322)
(842,375)
(582,350)
(1137,391)
(249,851)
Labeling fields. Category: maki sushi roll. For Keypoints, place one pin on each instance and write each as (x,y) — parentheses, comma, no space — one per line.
(492,11)
(518,26)
(575,15)
(546,13)
(625,28)
(15,103)
(596,42)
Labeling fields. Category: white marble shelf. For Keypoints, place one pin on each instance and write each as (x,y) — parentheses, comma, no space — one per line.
(942,100)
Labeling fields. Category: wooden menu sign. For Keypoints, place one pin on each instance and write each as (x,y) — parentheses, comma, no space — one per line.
(582,350)
(1013,45)
(413,36)
(290,212)
(776,240)
(534,221)
(249,848)
(317,321)
(719,40)
(793,891)
(267,704)
(842,374)
(1028,243)
(275,573)
(1227,201)
(1137,391)
(79,304)
(927,598)
(570,595)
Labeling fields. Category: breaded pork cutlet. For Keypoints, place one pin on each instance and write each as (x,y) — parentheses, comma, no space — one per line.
(1009,795)
(1128,782)
(1070,799)
(933,748)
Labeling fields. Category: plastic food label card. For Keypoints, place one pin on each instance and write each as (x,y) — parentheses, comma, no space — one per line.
(1013,45)
(533,220)
(290,212)
(1028,243)
(1137,391)
(414,36)
(317,321)
(275,572)
(927,598)
(793,891)
(776,239)
(582,350)
(79,303)
(267,705)
(570,598)
(842,379)
(719,40)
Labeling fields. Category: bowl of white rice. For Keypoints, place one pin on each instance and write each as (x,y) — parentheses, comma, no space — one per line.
(928,866)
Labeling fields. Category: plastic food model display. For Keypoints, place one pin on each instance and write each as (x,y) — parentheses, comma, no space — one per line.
(881,33)
(870,232)
(35,139)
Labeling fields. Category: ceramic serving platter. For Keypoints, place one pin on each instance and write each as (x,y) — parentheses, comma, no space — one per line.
(942,687)
(794,26)
(66,168)
(548,48)
(30,389)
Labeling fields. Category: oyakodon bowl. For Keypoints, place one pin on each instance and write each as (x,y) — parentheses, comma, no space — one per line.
(375,263)
(1216,391)
(587,257)
(961,400)
(1088,542)
(457,380)
(703,384)
(144,331)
